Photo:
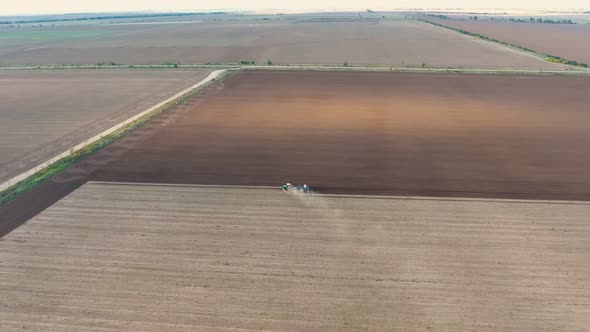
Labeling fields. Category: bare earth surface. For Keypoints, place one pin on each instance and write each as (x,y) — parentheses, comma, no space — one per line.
(389,43)
(569,41)
(152,258)
(44,113)
(397,134)
(361,133)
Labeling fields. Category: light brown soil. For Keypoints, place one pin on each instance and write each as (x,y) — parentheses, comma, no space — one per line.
(44,113)
(125,257)
(389,43)
(569,41)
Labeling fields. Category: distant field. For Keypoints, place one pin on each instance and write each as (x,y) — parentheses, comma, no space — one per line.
(569,41)
(13,37)
(114,257)
(303,40)
(44,113)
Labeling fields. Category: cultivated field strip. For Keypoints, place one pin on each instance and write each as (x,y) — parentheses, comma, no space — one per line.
(140,257)
(460,135)
(61,109)
(387,43)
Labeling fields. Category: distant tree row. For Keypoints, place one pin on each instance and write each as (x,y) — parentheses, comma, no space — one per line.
(248,62)
(33,26)
(540,20)
(104,17)
(444,17)
(527,20)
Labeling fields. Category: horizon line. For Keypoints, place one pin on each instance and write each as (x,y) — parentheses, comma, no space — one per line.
(271,11)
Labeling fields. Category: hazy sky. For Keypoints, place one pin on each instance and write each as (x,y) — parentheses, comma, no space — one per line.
(11,7)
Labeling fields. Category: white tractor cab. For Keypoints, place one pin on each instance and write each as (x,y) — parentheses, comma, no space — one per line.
(298,188)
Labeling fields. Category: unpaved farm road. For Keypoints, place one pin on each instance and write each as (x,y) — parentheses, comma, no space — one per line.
(572,71)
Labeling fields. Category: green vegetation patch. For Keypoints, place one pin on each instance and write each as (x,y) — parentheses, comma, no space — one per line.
(18,37)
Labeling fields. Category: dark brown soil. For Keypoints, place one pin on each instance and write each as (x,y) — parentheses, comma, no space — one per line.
(394,134)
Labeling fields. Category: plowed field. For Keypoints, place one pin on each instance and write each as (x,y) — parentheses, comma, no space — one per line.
(362,133)
(161,257)
(400,134)
(44,113)
(387,43)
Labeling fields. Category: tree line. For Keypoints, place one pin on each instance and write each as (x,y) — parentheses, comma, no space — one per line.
(528,20)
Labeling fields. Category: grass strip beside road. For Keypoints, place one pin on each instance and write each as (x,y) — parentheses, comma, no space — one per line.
(546,57)
(429,70)
(61,165)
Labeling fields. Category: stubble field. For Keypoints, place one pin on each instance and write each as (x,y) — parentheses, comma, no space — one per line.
(45,113)
(569,41)
(386,42)
(185,258)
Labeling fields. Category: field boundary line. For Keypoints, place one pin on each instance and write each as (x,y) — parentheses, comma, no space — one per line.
(417,70)
(393,197)
(160,184)
(580,71)
(16,179)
